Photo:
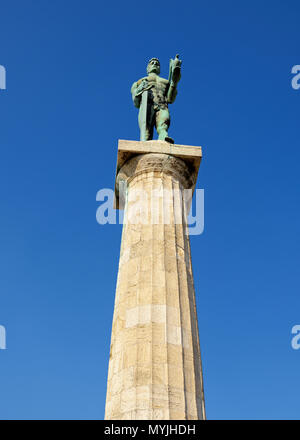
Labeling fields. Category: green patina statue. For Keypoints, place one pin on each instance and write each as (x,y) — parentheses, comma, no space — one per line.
(151,95)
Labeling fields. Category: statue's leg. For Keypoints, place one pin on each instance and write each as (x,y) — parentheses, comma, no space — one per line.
(149,130)
(150,122)
(162,124)
(149,134)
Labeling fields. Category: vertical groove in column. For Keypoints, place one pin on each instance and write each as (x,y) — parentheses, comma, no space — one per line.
(161,235)
(165,187)
(167,410)
(177,227)
(139,365)
(122,333)
(150,191)
(176,384)
(159,407)
(195,330)
(190,370)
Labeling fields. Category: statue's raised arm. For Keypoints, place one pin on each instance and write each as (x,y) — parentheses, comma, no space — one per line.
(174,77)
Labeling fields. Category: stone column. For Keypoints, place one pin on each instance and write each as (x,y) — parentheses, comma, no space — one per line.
(155,368)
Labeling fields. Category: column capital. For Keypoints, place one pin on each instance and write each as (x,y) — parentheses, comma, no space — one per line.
(135,157)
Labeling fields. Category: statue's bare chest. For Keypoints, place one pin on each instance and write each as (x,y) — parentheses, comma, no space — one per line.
(158,85)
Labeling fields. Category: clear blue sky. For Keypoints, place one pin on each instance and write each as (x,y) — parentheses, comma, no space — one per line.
(70,66)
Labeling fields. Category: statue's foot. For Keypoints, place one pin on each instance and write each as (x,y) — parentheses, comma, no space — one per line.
(170,140)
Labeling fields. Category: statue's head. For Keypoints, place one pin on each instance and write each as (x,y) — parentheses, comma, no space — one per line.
(153,66)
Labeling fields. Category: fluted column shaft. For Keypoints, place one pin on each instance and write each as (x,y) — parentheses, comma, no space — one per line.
(155,367)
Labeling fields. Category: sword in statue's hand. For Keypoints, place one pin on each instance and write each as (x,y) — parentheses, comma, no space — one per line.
(143,90)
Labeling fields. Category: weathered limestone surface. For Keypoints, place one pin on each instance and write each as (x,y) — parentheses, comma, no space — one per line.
(155,366)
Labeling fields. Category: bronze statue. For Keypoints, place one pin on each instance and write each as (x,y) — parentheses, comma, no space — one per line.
(151,95)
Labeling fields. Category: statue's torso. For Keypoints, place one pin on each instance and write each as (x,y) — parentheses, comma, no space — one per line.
(158,89)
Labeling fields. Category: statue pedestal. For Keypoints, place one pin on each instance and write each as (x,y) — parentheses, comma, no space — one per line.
(155,368)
